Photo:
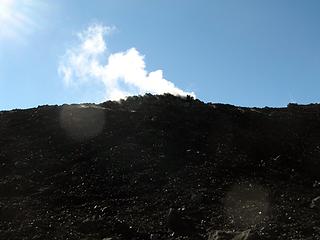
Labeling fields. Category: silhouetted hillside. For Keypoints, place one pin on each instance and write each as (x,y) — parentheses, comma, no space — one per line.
(160,167)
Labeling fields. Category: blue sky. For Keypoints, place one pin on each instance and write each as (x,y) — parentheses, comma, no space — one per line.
(247,53)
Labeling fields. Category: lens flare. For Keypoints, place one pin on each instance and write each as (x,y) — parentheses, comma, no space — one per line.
(247,204)
(82,122)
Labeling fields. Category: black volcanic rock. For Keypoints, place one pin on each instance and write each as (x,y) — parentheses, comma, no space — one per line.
(114,169)
(179,223)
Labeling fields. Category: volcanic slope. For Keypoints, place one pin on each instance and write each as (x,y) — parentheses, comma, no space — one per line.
(160,167)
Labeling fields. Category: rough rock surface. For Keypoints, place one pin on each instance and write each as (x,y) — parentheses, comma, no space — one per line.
(114,170)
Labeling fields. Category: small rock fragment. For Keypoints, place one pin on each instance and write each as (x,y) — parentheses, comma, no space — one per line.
(154,236)
(315,202)
(229,235)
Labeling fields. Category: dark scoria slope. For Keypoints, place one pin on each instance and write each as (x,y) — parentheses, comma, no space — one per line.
(113,171)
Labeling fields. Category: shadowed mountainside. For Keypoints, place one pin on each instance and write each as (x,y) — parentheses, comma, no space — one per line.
(160,167)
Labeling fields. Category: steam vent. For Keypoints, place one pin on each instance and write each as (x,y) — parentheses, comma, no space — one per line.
(160,167)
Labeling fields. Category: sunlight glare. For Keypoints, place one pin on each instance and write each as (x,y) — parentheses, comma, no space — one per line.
(16,18)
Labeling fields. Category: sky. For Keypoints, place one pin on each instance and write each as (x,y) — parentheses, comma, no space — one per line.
(251,53)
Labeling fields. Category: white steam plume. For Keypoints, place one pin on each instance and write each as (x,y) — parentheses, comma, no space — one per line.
(123,75)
